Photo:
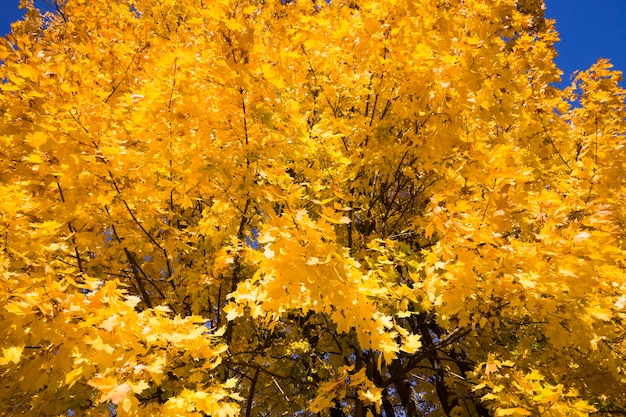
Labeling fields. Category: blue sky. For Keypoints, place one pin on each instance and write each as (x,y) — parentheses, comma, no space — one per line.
(589,29)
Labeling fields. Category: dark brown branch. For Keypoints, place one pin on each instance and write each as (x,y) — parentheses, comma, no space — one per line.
(419,356)
(150,237)
(333,108)
(135,268)
(447,401)
(271,373)
(72,230)
(117,86)
(253,382)
(555,148)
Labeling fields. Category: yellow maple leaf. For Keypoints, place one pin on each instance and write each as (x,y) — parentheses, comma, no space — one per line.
(73,376)
(600,313)
(36,139)
(27,71)
(412,343)
(372,395)
(516,411)
(119,393)
(12,354)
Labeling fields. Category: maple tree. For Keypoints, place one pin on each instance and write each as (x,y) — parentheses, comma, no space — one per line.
(359,208)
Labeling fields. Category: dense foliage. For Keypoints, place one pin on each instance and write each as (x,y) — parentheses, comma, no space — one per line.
(259,208)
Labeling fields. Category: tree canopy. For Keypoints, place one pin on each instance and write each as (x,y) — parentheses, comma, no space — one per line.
(344,208)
